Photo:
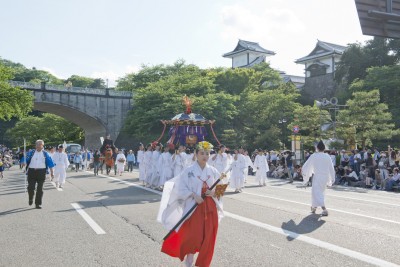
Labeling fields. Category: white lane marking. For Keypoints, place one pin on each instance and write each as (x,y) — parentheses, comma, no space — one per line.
(312,241)
(342,211)
(334,195)
(88,219)
(58,188)
(344,251)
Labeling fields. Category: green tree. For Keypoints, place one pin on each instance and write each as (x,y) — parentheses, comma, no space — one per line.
(368,117)
(310,120)
(86,82)
(51,128)
(14,102)
(358,58)
(386,79)
(152,74)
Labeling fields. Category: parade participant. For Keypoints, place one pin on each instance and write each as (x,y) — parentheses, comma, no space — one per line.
(261,168)
(96,162)
(155,156)
(120,162)
(38,161)
(238,171)
(249,164)
(61,162)
(165,163)
(106,144)
(86,159)
(1,168)
(190,157)
(320,166)
(198,232)
(148,166)
(77,161)
(114,155)
(140,159)
(179,159)
(51,150)
(109,160)
(130,158)
(221,160)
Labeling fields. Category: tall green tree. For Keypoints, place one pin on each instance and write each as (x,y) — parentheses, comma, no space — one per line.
(14,102)
(358,58)
(368,117)
(49,127)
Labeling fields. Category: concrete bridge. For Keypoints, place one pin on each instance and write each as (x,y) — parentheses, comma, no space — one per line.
(97,111)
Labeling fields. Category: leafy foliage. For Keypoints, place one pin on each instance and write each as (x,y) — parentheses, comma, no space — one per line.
(49,127)
(366,118)
(14,102)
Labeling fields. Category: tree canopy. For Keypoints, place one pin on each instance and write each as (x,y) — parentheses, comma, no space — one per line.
(49,127)
(14,102)
(246,103)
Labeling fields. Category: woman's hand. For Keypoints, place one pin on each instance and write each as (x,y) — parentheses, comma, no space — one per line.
(210,193)
(197,198)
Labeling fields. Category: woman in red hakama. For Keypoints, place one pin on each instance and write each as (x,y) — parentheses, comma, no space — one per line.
(198,233)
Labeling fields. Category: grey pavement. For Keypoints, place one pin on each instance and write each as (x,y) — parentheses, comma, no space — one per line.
(263,226)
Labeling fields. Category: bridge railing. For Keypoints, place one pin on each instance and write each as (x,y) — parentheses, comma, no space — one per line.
(81,90)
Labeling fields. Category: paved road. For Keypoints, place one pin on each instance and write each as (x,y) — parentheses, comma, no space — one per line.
(263,226)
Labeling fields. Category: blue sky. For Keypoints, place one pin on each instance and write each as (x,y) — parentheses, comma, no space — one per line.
(107,39)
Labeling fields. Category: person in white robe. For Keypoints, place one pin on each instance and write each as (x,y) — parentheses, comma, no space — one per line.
(147,165)
(179,196)
(155,176)
(319,165)
(166,166)
(140,160)
(261,167)
(238,172)
(222,160)
(120,161)
(179,160)
(190,158)
(60,159)
(249,163)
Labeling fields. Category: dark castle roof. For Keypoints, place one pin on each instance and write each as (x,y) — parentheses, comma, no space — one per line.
(244,46)
(323,49)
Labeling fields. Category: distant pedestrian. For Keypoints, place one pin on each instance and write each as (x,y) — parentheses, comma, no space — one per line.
(131,159)
(78,161)
(38,161)
(61,162)
(120,162)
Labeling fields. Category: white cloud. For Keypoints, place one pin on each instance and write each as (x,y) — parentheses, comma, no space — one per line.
(258,24)
(51,71)
(113,75)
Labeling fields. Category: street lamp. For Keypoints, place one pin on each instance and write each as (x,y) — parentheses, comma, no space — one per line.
(283,121)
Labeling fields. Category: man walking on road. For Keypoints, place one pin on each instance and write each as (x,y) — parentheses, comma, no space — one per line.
(320,165)
(38,161)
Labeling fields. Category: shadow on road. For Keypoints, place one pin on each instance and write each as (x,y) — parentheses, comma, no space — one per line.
(7,212)
(307,225)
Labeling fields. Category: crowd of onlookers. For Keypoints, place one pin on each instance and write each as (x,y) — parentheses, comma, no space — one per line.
(367,168)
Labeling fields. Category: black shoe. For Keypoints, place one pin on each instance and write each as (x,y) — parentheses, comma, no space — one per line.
(30,202)
(38,207)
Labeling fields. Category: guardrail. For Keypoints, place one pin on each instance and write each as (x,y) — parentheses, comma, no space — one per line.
(81,90)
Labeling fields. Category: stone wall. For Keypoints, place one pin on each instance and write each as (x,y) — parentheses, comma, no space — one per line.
(319,87)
